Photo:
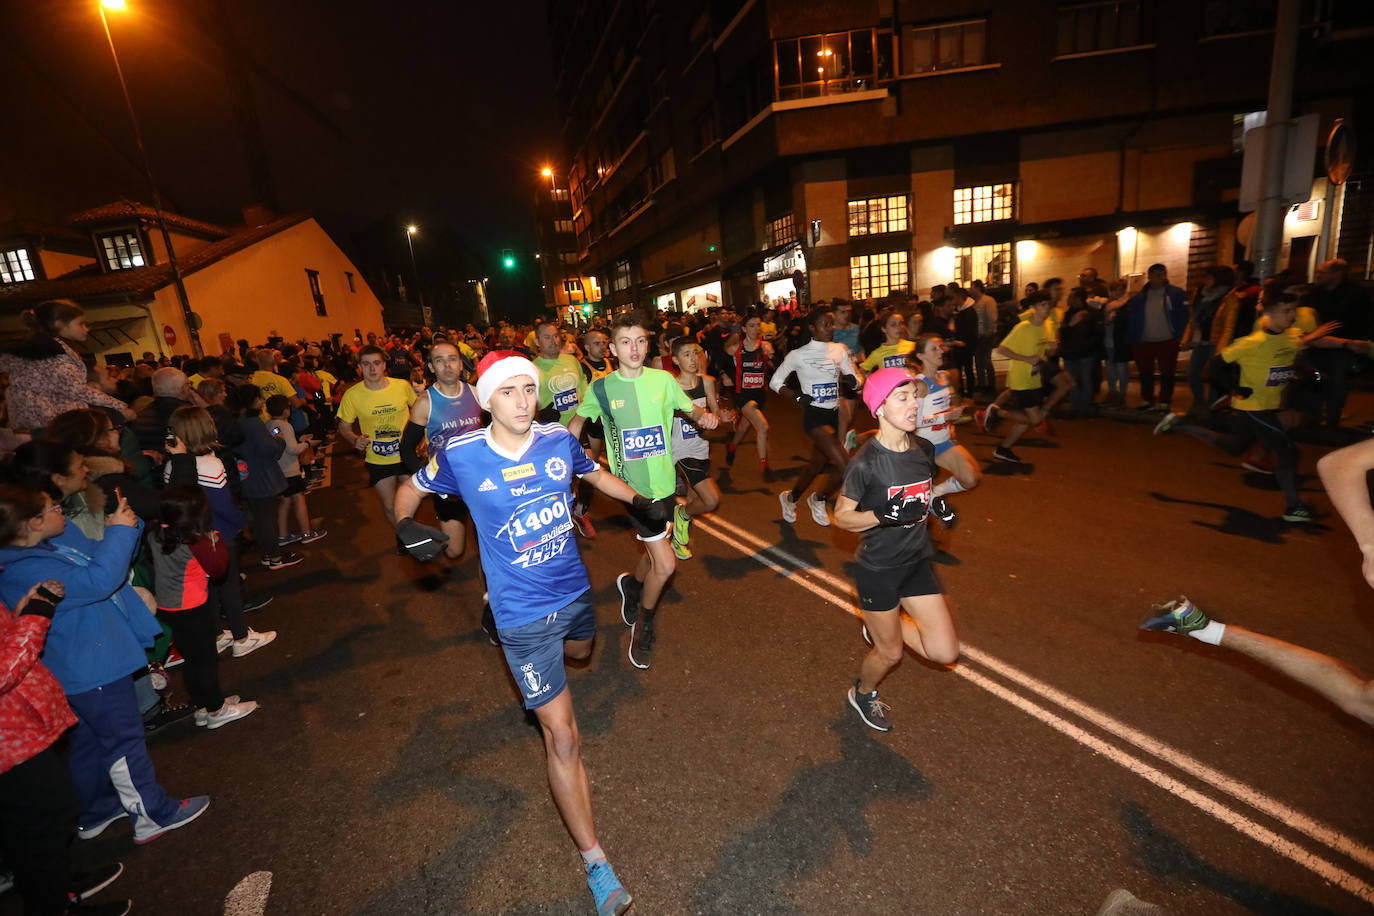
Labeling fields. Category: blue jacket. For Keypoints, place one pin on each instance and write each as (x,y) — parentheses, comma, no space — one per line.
(102,626)
(257,455)
(1175,306)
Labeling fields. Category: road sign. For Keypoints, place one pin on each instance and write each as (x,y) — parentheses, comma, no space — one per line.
(1300,152)
(169,335)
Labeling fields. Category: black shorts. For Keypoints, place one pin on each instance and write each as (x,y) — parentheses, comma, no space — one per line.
(376,473)
(294,485)
(1027,398)
(758,395)
(646,530)
(884,589)
(450,509)
(695,469)
(813,416)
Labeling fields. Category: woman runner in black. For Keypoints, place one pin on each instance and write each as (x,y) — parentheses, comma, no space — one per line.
(887,495)
(753,358)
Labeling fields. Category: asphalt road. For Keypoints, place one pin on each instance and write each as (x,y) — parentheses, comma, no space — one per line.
(392,771)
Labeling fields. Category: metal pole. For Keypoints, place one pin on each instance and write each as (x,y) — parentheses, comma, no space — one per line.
(186,313)
(415,270)
(1269,217)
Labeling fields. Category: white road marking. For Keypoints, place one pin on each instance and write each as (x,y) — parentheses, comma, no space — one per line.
(249,896)
(799,573)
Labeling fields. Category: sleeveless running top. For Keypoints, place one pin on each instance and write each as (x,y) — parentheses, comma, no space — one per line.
(450,417)
(935,409)
(686,440)
(751,368)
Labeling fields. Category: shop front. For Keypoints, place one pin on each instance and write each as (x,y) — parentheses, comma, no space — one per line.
(778,278)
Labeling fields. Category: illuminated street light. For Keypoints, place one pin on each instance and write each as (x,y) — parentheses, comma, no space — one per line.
(192,325)
(410,235)
(546,172)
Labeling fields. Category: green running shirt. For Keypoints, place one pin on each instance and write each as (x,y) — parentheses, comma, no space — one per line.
(638,415)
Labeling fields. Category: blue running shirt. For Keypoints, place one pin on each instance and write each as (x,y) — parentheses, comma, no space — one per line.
(451,417)
(521,508)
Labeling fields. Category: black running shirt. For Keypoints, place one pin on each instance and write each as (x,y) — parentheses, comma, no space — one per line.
(875,475)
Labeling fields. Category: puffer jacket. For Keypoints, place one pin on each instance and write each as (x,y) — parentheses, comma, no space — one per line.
(33,710)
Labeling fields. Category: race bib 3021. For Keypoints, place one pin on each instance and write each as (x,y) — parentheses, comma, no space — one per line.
(643,442)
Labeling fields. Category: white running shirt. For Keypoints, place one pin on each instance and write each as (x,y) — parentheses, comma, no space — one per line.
(818,365)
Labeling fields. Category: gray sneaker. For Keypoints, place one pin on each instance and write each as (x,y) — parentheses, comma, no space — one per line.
(789,506)
(872,710)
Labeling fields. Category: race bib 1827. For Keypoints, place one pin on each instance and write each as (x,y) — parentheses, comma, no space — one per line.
(643,442)
(825,391)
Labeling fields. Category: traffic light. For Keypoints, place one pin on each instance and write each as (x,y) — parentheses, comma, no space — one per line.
(508,259)
(587,309)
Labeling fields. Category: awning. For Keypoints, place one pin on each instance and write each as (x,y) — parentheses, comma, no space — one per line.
(680,279)
(976,234)
(752,262)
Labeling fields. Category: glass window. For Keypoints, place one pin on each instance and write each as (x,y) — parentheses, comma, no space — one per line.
(620,279)
(1099,25)
(121,250)
(985,204)
(315,292)
(876,215)
(989,263)
(15,266)
(781,231)
(874,275)
(817,65)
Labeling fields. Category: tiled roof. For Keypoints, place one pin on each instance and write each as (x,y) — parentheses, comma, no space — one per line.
(132,209)
(139,282)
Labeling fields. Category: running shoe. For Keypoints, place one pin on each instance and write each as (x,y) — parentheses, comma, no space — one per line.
(173,658)
(1299,513)
(681,551)
(584,525)
(682,527)
(167,714)
(819,511)
(789,506)
(157,676)
(287,539)
(944,512)
(313,535)
(256,602)
(253,642)
(984,418)
(286,559)
(1263,465)
(489,622)
(97,828)
(90,883)
(730,449)
(871,710)
(851,441)
(611,898)
(642,639)
(630,590)
(1006,454)
(230,712)
(187,811)
(223,641)
(1177,616)
(1168,422)
(203,717)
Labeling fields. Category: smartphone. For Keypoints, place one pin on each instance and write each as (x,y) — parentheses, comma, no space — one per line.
(276,430)
(169,438)
(47,595)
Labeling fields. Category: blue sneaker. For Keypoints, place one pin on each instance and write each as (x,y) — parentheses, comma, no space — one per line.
(1177,616)
(611,898)
(189,809)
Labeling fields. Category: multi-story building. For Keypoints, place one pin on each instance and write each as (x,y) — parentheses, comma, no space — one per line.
(566,290)
(729,150)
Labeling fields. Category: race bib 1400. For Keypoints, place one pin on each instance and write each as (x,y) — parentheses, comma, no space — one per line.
(643,442)
(539,521)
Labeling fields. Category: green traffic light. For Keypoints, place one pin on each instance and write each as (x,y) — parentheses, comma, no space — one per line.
(510,262)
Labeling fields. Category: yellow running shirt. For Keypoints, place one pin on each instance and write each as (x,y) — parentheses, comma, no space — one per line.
(381,416)
(1026,339)
(888,356)
(1266,366)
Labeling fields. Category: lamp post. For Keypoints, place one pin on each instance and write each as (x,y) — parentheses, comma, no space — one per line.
(192,322)
(547,172)
(414,269)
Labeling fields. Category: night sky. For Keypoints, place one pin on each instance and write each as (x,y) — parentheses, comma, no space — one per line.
(372,112)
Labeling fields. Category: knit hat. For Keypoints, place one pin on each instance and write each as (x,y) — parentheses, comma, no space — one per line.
(497,368)
(882,383)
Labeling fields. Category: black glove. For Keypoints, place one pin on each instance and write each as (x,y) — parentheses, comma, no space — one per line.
(420,541)
(39,607)
(1244,391)
(944,512)
(654,511)
(804,399)
(900,511)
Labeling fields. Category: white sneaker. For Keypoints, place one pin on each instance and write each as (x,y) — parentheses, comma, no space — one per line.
(203,717)
(223,641)
(789,506)
(229,712)
(819,511)
(252,642)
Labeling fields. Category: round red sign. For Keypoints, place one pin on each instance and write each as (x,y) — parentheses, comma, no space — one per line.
(169,335)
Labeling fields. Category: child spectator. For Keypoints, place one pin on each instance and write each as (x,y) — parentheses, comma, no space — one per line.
(293,497)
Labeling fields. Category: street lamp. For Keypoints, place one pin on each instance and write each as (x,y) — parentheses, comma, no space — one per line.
(190,318)
(415,270)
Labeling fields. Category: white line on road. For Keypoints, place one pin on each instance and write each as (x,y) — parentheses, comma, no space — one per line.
(800,574)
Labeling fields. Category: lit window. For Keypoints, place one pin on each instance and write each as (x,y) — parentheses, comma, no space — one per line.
(874,275)
(620,279)
(315,292)
(122,250)
(989,263)
(817,65)
(15,266)
(877,215)
(563,225)
(984,204)
(781,231)
(1099,25)
(945,47)
(560,193)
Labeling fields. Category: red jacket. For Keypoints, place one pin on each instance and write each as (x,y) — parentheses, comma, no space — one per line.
(33,708)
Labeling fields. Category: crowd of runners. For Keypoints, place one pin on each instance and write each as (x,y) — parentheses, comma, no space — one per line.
(511,431)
